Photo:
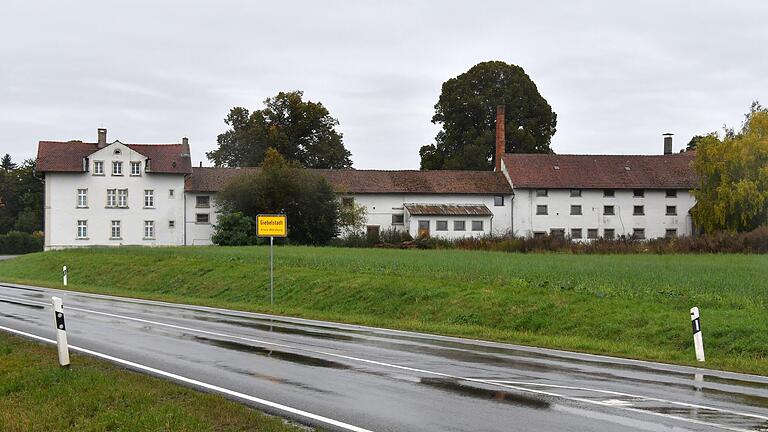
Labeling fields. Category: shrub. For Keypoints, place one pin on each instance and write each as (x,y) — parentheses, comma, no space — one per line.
(234,229)
(16,242)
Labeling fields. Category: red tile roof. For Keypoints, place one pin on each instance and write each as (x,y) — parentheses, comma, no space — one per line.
(56,156)
(374,181)
(601,171)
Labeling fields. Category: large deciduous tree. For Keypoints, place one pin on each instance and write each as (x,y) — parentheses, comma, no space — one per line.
(282,186)
(21,197)
(467,111)
(733,194)
(302,131)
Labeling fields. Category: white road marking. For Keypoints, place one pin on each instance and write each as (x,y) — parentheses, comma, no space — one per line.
(617,402)
(504,384)
(197,383)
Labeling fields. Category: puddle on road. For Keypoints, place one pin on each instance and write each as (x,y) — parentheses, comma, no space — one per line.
(22,304)
(18,318)
(262,325)
(33,295)
(278,355)
(453,386)
(273,379)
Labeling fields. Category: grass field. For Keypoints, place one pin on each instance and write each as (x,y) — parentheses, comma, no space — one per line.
(37,395)
(627,305)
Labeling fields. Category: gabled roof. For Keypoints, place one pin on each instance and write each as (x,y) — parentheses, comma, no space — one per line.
(67,156)
(375,181)
(447,209)
(601,171)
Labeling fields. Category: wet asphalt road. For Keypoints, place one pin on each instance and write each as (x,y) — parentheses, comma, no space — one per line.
(383,380)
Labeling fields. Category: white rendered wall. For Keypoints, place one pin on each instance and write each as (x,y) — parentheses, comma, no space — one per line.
(62,213)
(654,221)
(199,234)
(381,207)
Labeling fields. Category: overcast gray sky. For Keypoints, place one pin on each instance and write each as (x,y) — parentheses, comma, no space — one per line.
(618,74)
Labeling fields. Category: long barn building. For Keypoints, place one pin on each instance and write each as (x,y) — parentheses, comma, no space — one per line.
(111,193)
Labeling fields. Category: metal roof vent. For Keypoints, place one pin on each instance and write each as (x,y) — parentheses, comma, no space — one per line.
(557,167)
(627,168)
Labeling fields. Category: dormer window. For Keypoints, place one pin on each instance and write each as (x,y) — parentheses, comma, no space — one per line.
(135,168)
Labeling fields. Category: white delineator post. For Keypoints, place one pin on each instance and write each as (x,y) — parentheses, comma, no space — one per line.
(64,274)
(61,331)
(698,341)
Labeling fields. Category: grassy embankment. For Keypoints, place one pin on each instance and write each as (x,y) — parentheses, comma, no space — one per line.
(37,395)
(626,305)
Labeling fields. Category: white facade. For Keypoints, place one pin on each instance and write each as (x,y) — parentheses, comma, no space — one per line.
(383,211)
(112,209)
(653,211)
(201,217)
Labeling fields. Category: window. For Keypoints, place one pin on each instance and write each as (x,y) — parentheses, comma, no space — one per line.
(204,201)
(122,198)
(82,229)
(609,210)
(398,219)
(541,209)
(135,168)
(117,168)
(477,225)
(609,233)
(442,225)
(557,232)
(575,209)
(116,231)
(149,198)
(498,200)
(609,193)
(575,233)
(459,225)
(117,151)
(171,224)
(111,197)
(541,192)
(372,232)
(202,218)
(638,193)
(671,193)
(575,193)
(539,234)
(592,233)
(149,229)
(98,167)
(82,198)
(171,193)
(345,201)
(671,210)
(639,233)
(670,233)
(423,230)
(638,210)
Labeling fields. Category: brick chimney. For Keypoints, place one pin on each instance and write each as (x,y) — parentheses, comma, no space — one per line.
(500,137)
(185,141)
(668,143)
(102,138)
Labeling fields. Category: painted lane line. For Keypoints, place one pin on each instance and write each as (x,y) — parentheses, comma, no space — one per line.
(197,383)
(456,377)
(615,393)
(566,355)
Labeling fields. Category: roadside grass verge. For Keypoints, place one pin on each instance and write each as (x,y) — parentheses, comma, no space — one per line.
(634,306)
(38,395)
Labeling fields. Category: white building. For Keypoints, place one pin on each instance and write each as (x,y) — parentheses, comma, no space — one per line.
(591,196)
(143,194)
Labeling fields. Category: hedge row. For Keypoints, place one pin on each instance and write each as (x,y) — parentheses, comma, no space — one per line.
(755,241)
(17,242)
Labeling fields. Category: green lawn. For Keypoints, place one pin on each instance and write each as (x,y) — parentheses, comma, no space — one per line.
(92,395)
(627,305)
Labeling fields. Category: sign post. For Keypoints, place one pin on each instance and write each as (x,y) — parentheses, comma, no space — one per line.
(272,225)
